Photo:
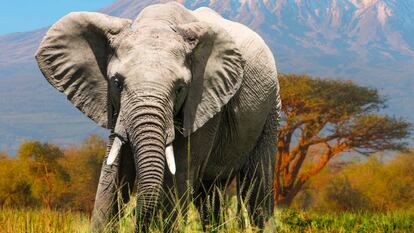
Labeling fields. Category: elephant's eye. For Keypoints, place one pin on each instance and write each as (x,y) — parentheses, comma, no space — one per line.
(179,89)
(118,83)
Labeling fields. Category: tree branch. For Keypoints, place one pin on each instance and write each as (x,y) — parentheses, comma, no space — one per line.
(329,154)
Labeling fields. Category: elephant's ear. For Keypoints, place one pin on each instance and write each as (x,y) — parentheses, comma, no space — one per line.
(73,57)
(217,72)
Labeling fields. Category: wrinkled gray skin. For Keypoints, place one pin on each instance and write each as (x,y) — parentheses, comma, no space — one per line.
(171,77)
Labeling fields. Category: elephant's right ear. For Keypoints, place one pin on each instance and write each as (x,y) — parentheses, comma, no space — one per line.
(73,57)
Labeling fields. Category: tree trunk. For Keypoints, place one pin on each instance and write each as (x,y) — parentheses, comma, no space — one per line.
(284,200)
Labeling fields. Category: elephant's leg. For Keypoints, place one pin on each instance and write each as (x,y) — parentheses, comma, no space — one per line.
(106,205)
(208,202)
(117,178)
(255,179)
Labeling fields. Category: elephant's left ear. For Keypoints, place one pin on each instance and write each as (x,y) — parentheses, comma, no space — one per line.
(217,72)
(73,57)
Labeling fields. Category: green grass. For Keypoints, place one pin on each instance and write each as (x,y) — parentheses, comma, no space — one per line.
(48,221)
(300,221)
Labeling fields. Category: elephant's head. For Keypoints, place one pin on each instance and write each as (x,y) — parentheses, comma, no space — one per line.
(138,78)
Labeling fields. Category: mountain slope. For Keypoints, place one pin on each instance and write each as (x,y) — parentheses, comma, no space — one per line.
(368,41)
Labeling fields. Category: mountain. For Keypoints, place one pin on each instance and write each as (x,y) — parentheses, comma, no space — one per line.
(368,41)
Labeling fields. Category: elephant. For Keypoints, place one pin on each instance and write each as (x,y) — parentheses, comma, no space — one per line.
(191,100)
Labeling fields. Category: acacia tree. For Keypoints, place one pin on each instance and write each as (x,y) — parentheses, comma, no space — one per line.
(338,116)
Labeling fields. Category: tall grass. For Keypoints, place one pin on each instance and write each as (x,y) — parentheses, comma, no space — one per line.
(43,220)
(229,219)
(289,221)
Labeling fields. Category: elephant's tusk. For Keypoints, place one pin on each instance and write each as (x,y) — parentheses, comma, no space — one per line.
(169,154)
(116,147)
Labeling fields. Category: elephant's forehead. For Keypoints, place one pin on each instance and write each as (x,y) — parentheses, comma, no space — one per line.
(152,42)
(150,49)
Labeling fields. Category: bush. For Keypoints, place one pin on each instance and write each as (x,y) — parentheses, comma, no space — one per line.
(44,175)
(340,195)
(369,186)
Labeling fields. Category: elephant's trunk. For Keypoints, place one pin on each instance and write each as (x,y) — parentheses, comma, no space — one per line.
(147,119)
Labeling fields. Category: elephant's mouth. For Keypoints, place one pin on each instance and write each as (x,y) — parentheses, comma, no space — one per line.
(120,139)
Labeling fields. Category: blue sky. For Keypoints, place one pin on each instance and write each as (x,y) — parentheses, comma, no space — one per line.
(27,15)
